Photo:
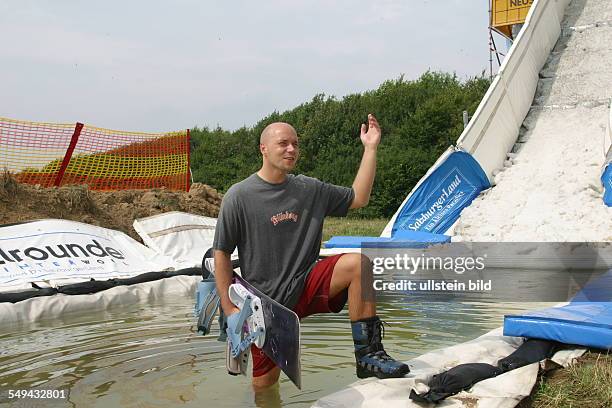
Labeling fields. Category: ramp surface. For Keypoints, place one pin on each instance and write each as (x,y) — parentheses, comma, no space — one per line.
(549,188)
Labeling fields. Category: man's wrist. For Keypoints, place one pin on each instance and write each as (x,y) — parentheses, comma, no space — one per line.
(227,305)
(371,148)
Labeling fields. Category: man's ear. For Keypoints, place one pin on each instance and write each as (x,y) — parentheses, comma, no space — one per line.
(262,149)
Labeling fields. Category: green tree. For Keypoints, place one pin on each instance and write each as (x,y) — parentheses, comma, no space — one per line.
(419,119)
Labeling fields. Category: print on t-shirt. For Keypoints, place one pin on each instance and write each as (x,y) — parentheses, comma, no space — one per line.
(284,216)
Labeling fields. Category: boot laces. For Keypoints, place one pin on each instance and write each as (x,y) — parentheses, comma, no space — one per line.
(379,332)
(382,355)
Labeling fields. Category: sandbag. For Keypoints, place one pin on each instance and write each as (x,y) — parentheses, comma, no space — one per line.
(14,297)
(83,288)
(456,379)
(531,351)
(142,278)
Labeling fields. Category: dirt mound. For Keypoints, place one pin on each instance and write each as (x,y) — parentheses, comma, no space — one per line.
(110,209)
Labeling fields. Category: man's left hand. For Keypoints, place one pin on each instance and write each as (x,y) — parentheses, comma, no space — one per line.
(370,133)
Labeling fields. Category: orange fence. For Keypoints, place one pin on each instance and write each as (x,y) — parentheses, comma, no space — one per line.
(52,154)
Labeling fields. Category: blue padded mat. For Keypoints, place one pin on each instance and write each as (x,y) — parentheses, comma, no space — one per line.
(585,321)
(402,239)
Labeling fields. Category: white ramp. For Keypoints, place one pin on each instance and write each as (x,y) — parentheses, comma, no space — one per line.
(495,126)
(549,187)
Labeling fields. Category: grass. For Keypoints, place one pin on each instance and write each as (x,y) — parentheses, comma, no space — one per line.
(353,226)
(588,383)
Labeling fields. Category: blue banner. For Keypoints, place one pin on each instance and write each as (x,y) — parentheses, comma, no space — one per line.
(436,204)
(606,180)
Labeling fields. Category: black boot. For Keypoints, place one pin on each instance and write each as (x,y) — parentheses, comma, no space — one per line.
(370,356)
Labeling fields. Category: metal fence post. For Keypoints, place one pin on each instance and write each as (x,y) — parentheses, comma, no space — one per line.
(75,138)
(188,185)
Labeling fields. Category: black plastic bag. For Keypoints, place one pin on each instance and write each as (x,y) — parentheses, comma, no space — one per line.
(456,379)
(531,351)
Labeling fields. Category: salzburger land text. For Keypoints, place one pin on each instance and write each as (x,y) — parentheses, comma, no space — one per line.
(437,205)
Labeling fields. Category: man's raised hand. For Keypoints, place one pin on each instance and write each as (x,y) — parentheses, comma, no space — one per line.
(370,133)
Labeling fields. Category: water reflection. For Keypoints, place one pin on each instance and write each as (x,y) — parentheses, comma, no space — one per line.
(151,355)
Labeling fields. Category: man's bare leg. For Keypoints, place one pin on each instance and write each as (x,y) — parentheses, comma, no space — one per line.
(354,271)
(267,380)
(268,397)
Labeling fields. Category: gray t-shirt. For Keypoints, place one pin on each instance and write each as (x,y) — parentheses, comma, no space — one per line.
(277,229)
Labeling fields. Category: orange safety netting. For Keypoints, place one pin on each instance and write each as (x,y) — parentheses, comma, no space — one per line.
(52,154)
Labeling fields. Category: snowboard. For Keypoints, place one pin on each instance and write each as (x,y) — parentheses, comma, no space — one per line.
(282,343)
(282,338)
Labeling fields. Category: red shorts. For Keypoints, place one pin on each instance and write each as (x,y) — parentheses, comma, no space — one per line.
(314,299)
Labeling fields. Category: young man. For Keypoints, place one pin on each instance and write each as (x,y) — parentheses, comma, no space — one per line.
(276,220)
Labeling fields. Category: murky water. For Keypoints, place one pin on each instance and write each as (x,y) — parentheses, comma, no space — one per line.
(151,356)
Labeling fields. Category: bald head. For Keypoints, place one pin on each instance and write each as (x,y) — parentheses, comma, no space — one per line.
(279,147)
(276,129)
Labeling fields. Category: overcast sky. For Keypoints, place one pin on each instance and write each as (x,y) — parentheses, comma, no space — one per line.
(166,65)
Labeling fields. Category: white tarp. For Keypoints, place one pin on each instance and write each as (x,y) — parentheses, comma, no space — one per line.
(181,236)
(57,306)
(503,391)
(53,252)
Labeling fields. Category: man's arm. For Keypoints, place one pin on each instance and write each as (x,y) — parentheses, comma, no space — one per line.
(223,279)
(362,186)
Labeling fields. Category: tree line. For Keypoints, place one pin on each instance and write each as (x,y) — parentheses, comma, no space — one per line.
(419,120)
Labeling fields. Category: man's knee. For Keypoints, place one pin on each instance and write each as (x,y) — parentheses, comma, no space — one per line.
(359,265)
(351,269)
(268,379)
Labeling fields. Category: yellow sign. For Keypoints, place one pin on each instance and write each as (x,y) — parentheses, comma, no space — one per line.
(506,13)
